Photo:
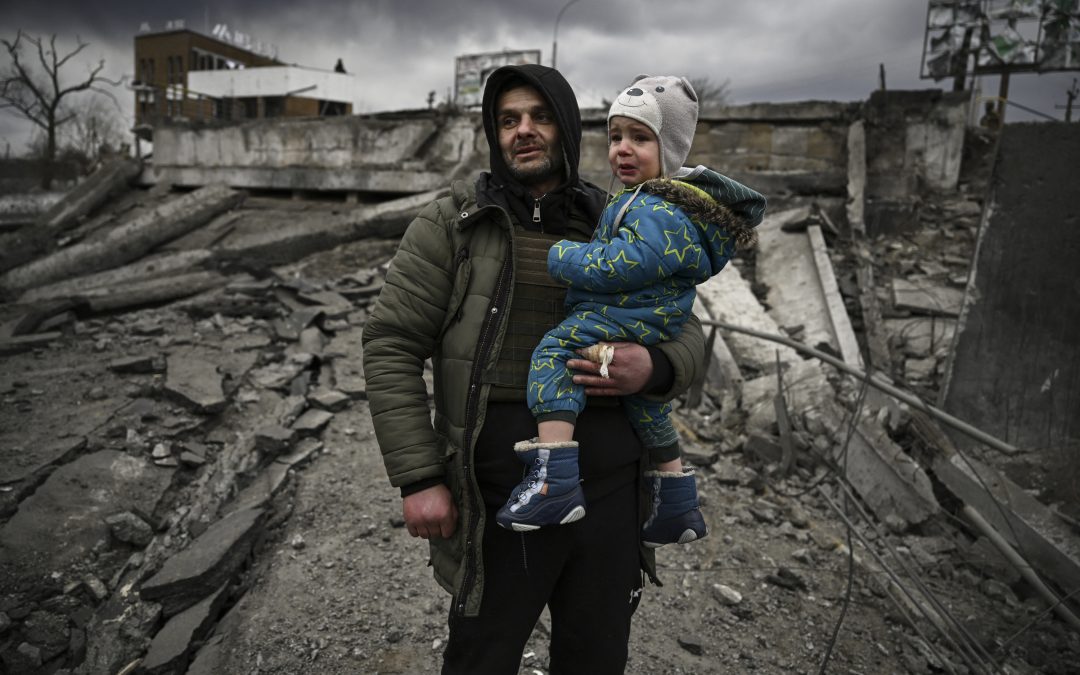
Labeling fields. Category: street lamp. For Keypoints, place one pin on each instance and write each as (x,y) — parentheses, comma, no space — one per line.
(555,35)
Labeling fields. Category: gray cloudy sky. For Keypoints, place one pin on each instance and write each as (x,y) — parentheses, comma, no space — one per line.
(769,50)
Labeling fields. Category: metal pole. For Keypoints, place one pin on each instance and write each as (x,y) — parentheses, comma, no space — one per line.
(555,34)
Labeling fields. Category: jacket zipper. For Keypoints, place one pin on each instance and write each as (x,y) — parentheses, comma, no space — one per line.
(483,347)
(536,211)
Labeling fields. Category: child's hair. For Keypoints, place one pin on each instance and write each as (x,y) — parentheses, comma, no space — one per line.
(668,105)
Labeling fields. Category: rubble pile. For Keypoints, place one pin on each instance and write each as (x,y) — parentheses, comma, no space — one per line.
(189,481)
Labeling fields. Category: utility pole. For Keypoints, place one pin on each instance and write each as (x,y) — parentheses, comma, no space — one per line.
(1070,95)
(555,34)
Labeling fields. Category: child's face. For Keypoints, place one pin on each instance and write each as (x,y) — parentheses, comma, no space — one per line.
(633,151)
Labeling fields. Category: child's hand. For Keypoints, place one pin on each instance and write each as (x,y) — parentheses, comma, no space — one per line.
(628,372)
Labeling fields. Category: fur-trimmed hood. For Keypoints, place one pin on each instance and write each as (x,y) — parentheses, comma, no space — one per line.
(704,209)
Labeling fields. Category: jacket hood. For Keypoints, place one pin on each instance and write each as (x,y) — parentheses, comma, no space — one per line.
(709,214)
(559,95)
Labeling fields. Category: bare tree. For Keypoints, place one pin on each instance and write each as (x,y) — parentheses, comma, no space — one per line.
(40,96)
(711,93)
(97,131)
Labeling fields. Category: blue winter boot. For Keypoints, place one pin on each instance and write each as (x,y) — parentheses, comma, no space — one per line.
(676,518)
(550,493)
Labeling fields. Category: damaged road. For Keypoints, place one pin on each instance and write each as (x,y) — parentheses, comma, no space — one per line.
(189,481)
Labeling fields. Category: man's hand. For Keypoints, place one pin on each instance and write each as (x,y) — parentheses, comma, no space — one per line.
(430,513)
(629,371)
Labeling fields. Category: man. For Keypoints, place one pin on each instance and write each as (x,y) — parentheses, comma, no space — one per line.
(469,288)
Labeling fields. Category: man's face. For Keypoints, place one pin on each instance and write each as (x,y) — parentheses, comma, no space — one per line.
(529,139)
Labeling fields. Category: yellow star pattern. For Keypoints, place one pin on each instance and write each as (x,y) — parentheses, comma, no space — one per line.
(675,240)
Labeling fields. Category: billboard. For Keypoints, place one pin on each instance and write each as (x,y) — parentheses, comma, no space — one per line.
(471,72)
(1000,36)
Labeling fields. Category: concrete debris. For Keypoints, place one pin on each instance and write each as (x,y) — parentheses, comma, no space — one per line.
(726,595)
(194,383)
(126,242)
(192,574)
(91,193)
(130,528)
(208,365)
(924,297)
(312,421)
(173,644)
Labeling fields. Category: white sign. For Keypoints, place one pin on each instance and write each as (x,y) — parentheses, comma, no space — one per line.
(244,41)
(471,72)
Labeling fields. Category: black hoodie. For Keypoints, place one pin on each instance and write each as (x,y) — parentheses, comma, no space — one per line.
(500,187)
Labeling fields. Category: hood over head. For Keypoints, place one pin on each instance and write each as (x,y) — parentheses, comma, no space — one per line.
(553,86)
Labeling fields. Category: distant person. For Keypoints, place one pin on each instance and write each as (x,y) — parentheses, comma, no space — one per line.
(669,229)
(469,289)
(990,119)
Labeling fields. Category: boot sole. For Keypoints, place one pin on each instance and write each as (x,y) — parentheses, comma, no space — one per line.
(576,513)
(686,537)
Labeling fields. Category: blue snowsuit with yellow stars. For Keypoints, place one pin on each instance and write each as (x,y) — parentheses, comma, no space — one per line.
(635,282)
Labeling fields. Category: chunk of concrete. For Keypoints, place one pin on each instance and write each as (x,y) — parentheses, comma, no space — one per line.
(927,297)
(786,265)
(112,178)
(312,421)
(65,518)
(130,528)
(173,645)
(210,561)
(274,438)
(127,242)
(194,383)
(330,399)
(730,300)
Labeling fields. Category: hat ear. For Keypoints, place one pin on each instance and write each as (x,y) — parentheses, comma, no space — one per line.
(689,88)
(639,77)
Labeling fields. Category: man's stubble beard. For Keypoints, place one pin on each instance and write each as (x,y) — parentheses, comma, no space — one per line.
(550,167)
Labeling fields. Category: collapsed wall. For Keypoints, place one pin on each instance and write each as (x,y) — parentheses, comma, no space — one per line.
(1014,370)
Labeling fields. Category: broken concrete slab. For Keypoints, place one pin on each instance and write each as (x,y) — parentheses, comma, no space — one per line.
(330,399)
(262,489)
(787,266)
(151,291)
(25,343)
(174,643)
(1015,371)
(1028,526)
(312,421)
(334,305)
(91,193)
(273,439)
(730,300)
(194,383)
(22,463)
(926,297)
(140,270)
(839,321)
(289,237)
(141,365)
(303,452)
(65,517)
(208,563)
(126,242)
(130,528)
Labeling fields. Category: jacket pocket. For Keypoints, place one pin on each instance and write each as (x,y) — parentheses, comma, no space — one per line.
(460,290)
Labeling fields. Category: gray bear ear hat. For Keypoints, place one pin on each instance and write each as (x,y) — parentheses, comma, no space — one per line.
(668,105)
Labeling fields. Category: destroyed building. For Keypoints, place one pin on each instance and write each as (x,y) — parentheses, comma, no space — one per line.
(189,481)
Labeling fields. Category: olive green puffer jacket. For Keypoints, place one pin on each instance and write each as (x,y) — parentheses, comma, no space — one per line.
(447,289)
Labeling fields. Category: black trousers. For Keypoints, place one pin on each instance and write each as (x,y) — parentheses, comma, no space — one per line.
(587,573)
